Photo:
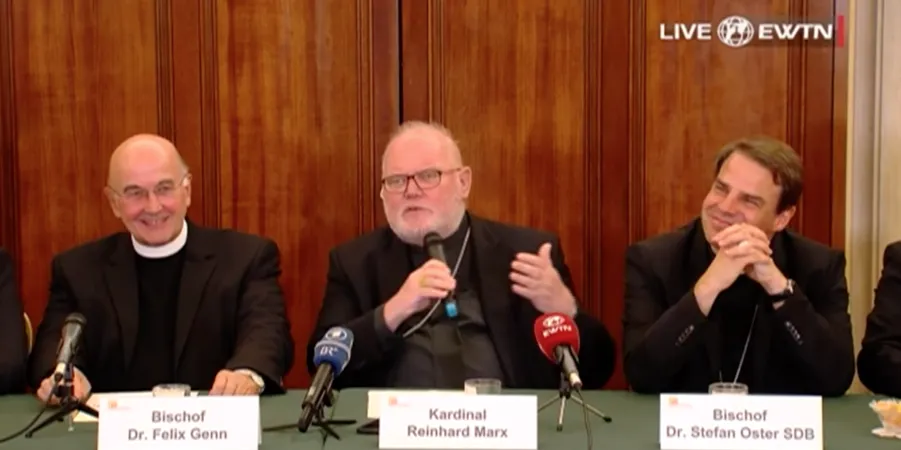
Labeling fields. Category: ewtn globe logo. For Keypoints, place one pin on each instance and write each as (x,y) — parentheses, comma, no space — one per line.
(739,31)
(735,31)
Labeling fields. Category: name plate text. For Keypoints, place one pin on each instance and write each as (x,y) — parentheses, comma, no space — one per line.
(740,422)
(175,423)
(459,422)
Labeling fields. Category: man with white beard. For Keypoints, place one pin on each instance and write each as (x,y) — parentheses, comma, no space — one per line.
(503,277)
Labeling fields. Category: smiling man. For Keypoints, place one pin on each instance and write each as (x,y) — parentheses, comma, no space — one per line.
(734,296)
(384,287)
(167,301)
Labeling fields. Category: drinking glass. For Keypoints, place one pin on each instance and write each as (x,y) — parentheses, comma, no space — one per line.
(728,388)
(482,386)
(171,390)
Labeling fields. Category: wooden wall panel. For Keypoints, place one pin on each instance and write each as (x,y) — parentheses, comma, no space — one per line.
(303,116)
(85,77)
(509,80)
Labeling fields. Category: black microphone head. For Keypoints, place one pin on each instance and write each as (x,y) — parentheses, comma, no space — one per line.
(431,238)
(76,318)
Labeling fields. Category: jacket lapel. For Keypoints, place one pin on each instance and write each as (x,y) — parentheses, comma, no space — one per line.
(492,264)
(122,281)
(199,265)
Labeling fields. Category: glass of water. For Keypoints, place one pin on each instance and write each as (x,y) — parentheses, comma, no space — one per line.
(728,388)
(482,386)
(171,390)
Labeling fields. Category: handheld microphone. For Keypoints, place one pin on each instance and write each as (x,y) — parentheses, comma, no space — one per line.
(68,347)
(558,339)
(331,355)
(435,248)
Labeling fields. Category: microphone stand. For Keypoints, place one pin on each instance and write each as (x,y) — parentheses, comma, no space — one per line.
(565,393)
(319,420)
(65,391)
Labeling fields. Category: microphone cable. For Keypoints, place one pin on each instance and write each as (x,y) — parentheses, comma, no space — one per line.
(30,424)
(586,419)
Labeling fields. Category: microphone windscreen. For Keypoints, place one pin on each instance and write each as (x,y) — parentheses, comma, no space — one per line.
(334,349)
(553,330)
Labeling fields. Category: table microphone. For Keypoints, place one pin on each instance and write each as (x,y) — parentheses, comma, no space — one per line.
(558,339)
(68,347)
(330,355)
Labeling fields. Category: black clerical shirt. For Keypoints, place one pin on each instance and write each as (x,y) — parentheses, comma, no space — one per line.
(416,366)
(158,285)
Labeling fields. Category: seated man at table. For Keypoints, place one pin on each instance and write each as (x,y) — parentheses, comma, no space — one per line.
(168,301)
(734,296)
(382,285)
(14,355)
(879,360)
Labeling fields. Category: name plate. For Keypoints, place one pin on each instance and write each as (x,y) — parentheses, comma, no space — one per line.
(175,423)
(740,422)
(459,422)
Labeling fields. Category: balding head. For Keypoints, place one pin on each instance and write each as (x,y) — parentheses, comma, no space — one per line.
(424,182)
(142,149)
(149,188)
(415,136)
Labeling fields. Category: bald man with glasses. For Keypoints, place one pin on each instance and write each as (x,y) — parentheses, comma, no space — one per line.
(167,301)
(384,287)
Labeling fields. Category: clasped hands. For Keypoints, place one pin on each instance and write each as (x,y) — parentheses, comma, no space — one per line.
(227,382)
(533,275)
(742,249)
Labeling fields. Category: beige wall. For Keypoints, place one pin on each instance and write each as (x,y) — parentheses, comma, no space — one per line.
(873,214)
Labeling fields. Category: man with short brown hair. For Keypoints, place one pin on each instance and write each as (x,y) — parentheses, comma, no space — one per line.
(734,296)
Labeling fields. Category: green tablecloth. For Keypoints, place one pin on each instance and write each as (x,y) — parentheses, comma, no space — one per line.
(848,422)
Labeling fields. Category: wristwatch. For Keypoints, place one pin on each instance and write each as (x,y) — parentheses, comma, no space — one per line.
(786,293)
(258,380)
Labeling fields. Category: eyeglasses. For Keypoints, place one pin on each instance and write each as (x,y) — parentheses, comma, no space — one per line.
(134,195)
(424,179)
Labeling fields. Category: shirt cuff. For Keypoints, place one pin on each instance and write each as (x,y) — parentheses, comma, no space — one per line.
(257,379)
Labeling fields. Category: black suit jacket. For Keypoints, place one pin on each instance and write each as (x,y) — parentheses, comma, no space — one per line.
(804,347)
(231,312)
(14,355)
(366,272)
(879,361)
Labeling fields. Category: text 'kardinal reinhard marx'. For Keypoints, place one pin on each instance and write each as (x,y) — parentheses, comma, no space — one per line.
(457,423)
(182,426)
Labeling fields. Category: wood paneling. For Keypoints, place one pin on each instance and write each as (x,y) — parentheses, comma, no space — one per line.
(84,78)
(574,115)
(302,118)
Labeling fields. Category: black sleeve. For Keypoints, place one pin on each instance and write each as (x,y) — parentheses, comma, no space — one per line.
(60,304)
(14,356)
(656,340)
(341,308)
(818,330)
(879,361)
(264,342)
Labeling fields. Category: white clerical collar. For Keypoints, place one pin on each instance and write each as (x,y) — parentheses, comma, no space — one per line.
(165,250)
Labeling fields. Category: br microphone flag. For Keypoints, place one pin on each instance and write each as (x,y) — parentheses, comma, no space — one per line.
(554,330)
(334,349)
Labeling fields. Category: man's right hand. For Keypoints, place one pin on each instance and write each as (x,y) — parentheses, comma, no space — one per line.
(426,284)
(80,386)
(727,266)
